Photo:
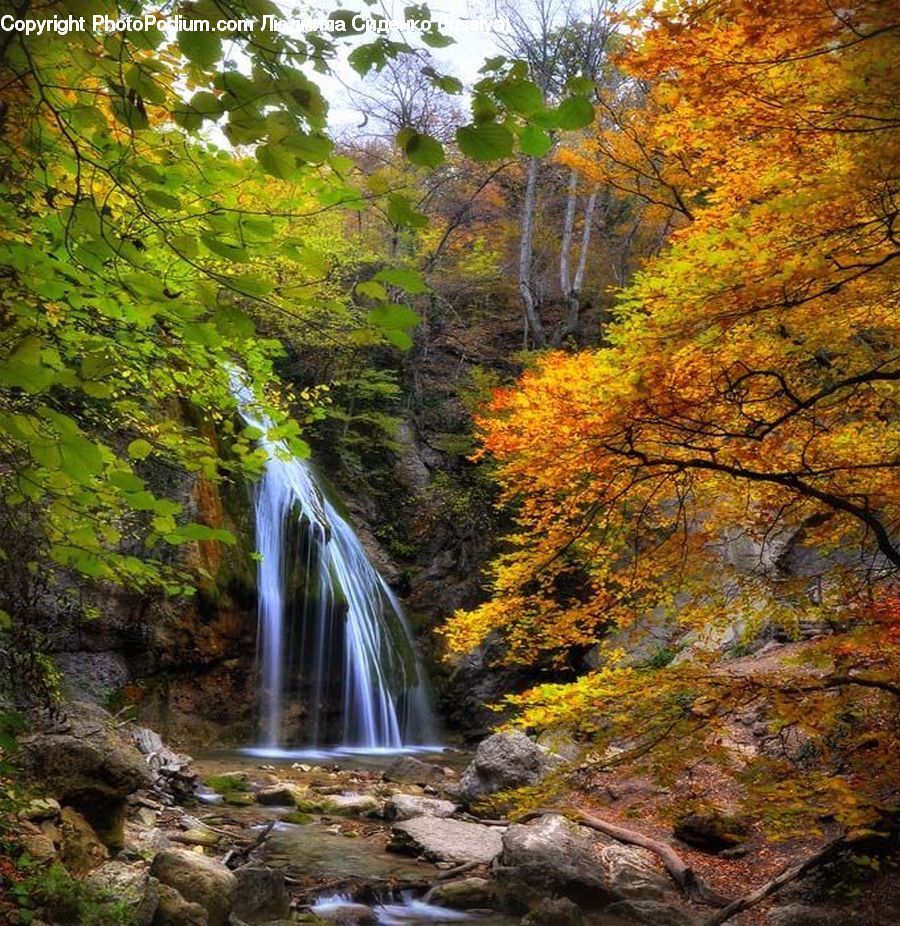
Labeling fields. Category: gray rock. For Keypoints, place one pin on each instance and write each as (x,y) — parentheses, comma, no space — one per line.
(350,802)
(198,879)
(412,771)
(260,895)
(631,873)
(408,806)
(651,912)
(465,894)
(38,847)
(441,840)
(796,914)
(554,911)
(503,761)
(131,885)
(553,854)
(41,808)
(83,762)
(174,910)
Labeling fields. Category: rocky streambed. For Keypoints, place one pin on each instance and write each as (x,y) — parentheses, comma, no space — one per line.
(241,840)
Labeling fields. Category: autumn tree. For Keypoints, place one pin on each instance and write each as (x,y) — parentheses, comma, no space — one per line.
(750,387)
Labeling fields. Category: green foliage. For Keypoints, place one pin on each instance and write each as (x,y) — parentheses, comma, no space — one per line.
(52,893)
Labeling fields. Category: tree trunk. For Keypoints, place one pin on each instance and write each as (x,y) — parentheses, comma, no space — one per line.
(530,304)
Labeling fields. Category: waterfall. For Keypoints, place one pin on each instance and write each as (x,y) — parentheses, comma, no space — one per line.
(332,635)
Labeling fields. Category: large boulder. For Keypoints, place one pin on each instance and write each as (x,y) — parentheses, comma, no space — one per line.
(632,873)
(83,762)
(442,840)
(260,895)
(130,885)
(501,762)
(552,854)
(409,806)
(198,879)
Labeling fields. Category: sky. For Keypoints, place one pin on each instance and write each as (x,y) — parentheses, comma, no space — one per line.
(463,59)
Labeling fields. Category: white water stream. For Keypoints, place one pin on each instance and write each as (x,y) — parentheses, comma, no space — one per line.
(348,636)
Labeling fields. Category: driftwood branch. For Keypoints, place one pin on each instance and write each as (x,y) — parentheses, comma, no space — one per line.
(769,888)
(683,875)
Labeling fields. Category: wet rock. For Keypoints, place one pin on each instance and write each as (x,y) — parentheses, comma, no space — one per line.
(553,854)
(130,885)
(711,831)
(408,806)
(83,762)
(350,802)
(81,850)
(650,912)
(38,847)
(282,794)
(503,761)
(442,840)
(174,910)
(412,771)
(260,895)
(631,873)
(465,894)
(554,911)
(198,879)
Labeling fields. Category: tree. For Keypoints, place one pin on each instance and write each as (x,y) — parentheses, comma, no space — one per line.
(562,45)
(751,384)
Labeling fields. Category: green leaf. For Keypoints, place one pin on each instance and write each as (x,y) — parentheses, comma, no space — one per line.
(223,248)
(521,96)
(372,290)
(486,142)
(25,369)
(408,280)
(393,316)
(421,149)
(162,199)
(399,338)
(535,142)
(201,48)
(435,39)
(139,449)
(233,323)
(401,212)
(313,148)
(251,284)
(195,531)
(575,113)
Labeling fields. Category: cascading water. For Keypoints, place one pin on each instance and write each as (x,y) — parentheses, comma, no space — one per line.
(331,631)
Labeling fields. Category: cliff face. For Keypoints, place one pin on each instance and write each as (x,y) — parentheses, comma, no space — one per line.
(185,664)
